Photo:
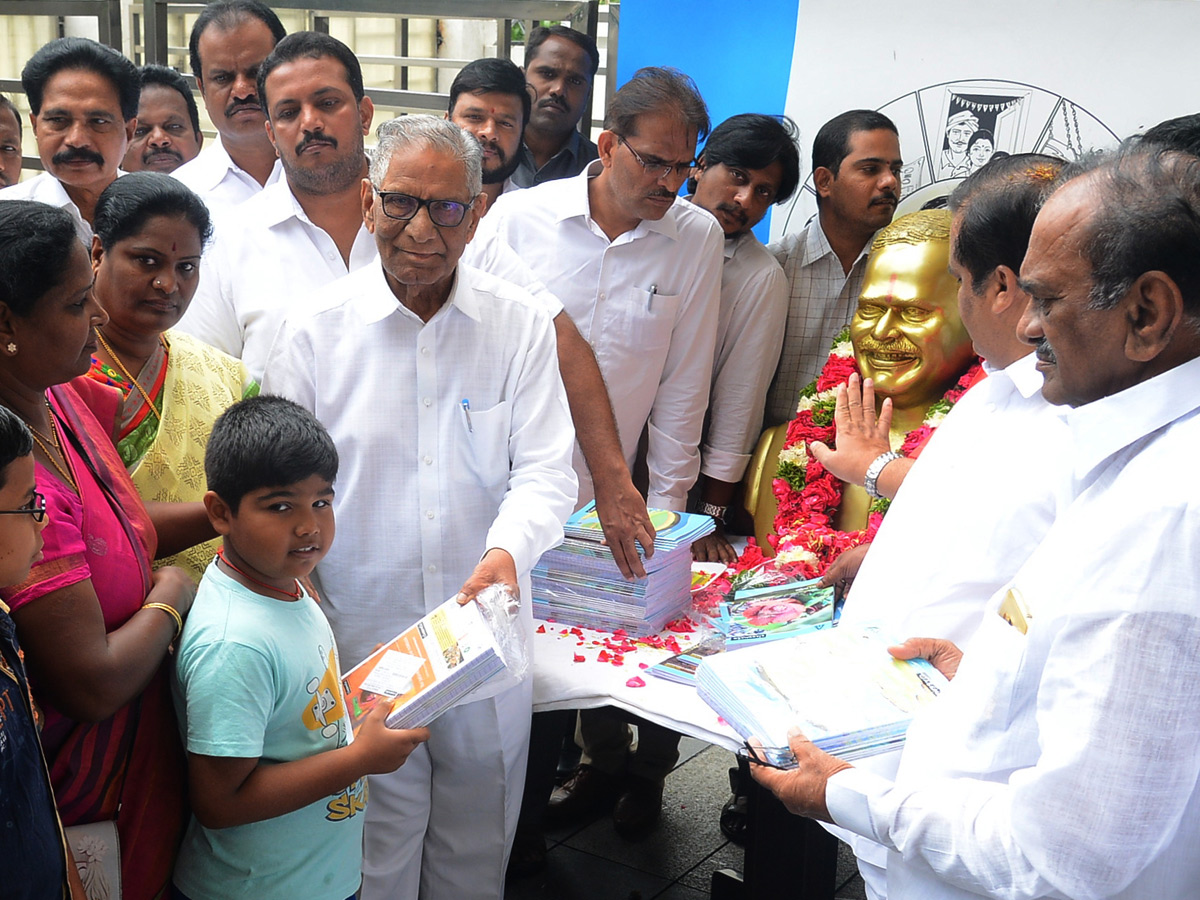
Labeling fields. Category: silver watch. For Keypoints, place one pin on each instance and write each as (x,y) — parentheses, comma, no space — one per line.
(875,469)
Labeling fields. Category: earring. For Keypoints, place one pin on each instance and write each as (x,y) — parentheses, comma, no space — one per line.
(11,348)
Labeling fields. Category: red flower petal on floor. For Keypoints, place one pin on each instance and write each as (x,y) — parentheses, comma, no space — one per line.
(579,657)
(643,665)
(603,657)
(635,681)
(541,629)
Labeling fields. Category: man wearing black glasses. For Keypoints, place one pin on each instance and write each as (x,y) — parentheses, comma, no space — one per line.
(439,385)
(640,275)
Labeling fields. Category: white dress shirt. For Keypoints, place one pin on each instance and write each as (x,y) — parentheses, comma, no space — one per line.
(821,303)
(647,302)
(750,328)
(45,188)
(1064,762)
(219,181)
(260,262)
(971,510)
(425,487)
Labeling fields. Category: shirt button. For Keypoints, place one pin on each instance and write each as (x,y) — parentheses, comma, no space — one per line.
(429,513)
(331,254)
(428,401)
(431,569)
(428,460)
(424,351)
(602,295)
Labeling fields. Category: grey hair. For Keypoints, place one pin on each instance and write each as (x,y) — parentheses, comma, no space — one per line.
(427,132)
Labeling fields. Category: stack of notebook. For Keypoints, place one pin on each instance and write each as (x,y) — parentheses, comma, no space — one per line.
(427,668)
(754,615)
(578,582)
(841,687)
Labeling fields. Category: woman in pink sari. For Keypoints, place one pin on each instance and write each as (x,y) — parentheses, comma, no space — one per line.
(94,620)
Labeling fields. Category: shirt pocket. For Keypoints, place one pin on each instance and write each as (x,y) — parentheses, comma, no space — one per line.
(481,450)
(648,319)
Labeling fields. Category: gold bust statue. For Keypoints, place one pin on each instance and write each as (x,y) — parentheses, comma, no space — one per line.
(908,338)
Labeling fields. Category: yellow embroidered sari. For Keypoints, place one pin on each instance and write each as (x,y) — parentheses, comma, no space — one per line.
(166,459)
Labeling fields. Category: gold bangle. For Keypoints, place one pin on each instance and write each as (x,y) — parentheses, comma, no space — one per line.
(170,611)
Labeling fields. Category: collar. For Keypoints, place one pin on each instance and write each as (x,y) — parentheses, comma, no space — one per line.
(737,242)
(216,163)
(279,204)
(1023,374)
(816,245)
(377,301)
(1105,426)
(575,204)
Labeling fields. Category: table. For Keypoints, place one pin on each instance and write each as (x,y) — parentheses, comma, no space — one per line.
(787,856)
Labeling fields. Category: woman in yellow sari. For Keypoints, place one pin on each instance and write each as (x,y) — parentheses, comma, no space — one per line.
(149,233)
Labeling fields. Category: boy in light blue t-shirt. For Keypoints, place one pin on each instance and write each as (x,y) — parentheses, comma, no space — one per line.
(278,783)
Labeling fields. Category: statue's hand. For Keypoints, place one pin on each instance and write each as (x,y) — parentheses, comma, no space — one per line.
(861,435)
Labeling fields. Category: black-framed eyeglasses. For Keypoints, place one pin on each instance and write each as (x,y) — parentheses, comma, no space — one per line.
(36,507)
(771,757)
(657,168)
(443,213)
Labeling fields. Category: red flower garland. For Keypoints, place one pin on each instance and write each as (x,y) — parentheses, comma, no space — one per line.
(804,532)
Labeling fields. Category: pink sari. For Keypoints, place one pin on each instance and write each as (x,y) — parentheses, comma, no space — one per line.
(133,759)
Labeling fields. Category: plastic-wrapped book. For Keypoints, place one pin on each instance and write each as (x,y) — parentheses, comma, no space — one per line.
(427,668)
(841,687)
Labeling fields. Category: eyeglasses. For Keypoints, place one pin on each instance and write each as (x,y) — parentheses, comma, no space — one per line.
(443,213)
(771,757)
(36,507)
(657,168)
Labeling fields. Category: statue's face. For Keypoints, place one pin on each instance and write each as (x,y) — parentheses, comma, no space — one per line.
(907,333)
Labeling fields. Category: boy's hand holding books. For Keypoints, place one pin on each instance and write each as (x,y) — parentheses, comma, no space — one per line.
(382,749)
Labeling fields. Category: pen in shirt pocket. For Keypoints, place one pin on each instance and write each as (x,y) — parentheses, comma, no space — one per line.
(466,408)
(650,296)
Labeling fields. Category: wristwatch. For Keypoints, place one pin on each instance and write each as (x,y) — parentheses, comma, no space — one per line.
(711,509)
(875,469)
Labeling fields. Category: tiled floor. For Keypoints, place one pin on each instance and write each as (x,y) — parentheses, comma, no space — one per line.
(590,862)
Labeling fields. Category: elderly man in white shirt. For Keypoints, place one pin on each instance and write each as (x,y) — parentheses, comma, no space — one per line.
(750,162)
(84,100)
(640,275)
(439,383)
(983,493)
(229,41)
(1063,760)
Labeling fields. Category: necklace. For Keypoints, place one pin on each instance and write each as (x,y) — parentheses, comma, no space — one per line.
(63,469)
(295,595)
(124,371)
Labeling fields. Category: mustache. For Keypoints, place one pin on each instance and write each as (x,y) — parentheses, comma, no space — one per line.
(885,197)
(899,347)
(735,211)
(162,151)
(553,101)
(661,192)
(316,137)
(238,105)
(1045,352)
(77,154)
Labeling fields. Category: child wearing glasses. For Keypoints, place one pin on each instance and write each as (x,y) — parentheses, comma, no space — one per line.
(31,838)
(278,782)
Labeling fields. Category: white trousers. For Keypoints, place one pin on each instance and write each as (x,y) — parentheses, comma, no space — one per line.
(441,826)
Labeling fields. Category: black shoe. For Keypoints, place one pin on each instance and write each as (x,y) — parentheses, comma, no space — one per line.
(735,820)
(587,792)
(528,855)
(637,812)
